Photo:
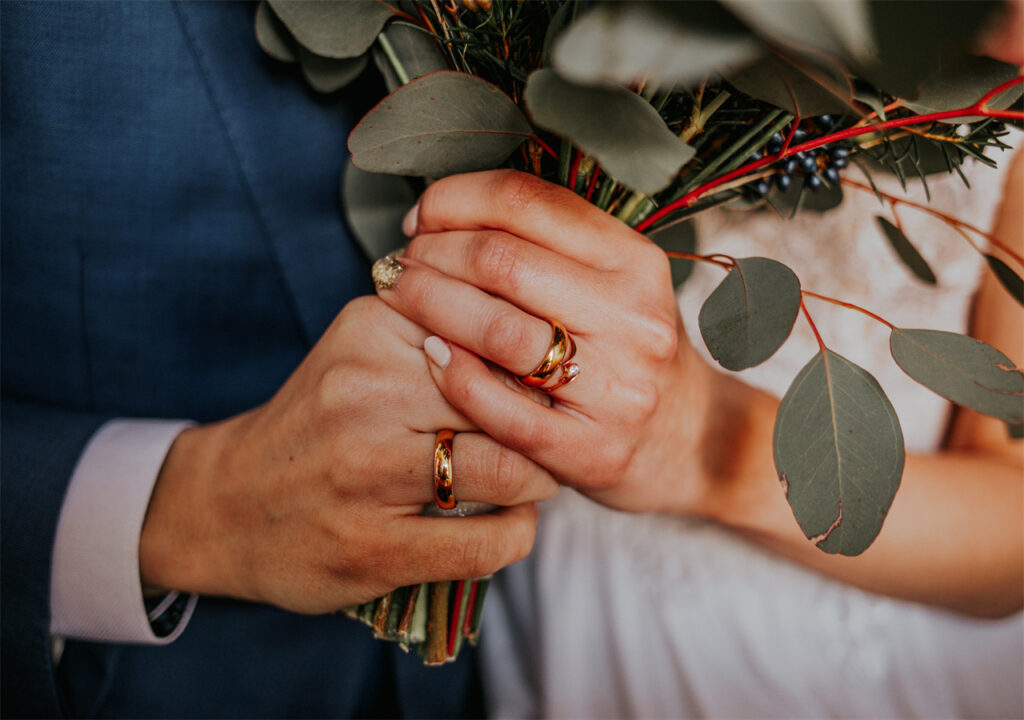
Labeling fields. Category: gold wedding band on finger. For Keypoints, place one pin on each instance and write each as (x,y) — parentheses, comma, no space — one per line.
(560,352)
(444,476)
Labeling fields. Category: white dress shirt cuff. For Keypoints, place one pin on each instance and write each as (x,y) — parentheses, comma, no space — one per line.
(96,587)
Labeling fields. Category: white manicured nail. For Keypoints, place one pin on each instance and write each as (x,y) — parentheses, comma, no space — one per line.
(438,351)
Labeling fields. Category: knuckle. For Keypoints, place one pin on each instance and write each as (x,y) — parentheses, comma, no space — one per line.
(495,262)
(662,339)
(505,335)
(506,471)
(521,191)
(331,388)
(482,556)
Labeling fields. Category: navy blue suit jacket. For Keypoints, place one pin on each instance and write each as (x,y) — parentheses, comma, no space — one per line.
(172,246)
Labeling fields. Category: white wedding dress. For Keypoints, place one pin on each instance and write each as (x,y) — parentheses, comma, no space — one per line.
(620,615)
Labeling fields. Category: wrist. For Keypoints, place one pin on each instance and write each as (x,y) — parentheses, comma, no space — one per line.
(182,545)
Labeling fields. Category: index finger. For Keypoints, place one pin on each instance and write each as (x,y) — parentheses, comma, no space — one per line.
(546,214)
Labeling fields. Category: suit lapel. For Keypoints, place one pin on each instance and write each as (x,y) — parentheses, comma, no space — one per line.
(290,147)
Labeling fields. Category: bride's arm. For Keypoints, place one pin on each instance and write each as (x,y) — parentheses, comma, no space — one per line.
(954,536)
(648,425)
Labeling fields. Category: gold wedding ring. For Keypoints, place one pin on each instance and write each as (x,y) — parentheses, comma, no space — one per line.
(444,493)
(561,350)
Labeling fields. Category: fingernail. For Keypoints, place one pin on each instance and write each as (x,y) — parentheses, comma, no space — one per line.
(385,272)
(410,220)
(438,351)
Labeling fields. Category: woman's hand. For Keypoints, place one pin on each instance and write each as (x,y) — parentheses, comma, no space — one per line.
(312,502)
(494,255)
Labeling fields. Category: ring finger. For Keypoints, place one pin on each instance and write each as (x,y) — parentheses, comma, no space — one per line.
(482,471)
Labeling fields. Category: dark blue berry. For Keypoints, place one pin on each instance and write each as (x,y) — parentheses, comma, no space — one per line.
(832,175)
(813,182)
(839,163)
(783,182)
(838,152)
(791,165)
(800,135)
(809,163)
(756,155)
(761,187)
(826,121)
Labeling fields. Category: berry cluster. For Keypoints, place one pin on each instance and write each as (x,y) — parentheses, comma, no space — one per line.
(818,166)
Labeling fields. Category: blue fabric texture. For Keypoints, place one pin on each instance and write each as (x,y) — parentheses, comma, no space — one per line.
(172,246)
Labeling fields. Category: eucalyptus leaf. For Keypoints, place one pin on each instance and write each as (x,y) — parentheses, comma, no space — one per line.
(963,84)
(325,75)
(374,206)
(915,38)
(665,43)
(837,29)
(559,21)
(751,313)
(416,50)
(906,251)
(271,34)
(616,127)
(330,28)
(962,369)
(1009,279)
(779,82)
(823,199)
(440,124)
(870,96)
(838,453)
(678,237)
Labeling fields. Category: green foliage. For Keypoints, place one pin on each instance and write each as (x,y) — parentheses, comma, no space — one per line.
(906,251)
(664,43)
(440,124)
(680,237)
(374,206)
(615,126)
(751,313)
(782,84)
(838,453)
(962,369)
(417,52)
(333,29)
(1006,275)
(326,75)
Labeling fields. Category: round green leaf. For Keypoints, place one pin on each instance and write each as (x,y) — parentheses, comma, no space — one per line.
(272,35)
(326,75)
(838,453)
(616,127)
(962,369)
(837,29)
(374,207)
(782,84)
(906,251)
(330,28)
(416,50)
(667,43)
(965,83)
(440,124)
(751,313)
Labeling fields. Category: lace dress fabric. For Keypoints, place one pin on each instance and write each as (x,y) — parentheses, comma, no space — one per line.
(620,615)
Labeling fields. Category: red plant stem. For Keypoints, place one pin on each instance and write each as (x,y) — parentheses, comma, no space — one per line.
(401,13)
(979,108)
(851,306)
(949,219)
(574,170)
(467,623)
(544,146)
(593,181)
(814,328)
(453,623)
(702,258)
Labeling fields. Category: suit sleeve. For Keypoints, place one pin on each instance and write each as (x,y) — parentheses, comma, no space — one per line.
(41,446)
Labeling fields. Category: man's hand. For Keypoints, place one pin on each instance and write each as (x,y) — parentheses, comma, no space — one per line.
(494,255)
(312,502)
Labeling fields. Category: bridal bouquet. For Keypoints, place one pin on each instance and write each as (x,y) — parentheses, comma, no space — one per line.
(655,111)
